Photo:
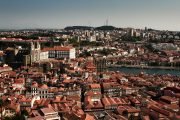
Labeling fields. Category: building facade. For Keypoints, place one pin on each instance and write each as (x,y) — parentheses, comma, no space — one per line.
(61,52)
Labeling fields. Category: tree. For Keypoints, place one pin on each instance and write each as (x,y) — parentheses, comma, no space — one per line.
(20,116)
(24,113)
(1,105)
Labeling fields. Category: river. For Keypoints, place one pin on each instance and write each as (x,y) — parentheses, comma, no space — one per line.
(150,71)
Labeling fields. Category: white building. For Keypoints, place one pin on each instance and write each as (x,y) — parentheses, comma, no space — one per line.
(61,52)
(44,55)
(41,91)
(92,38)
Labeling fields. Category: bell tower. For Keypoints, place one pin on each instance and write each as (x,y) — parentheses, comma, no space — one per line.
(35,50)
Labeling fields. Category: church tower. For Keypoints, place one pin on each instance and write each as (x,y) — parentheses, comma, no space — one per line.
(35,50)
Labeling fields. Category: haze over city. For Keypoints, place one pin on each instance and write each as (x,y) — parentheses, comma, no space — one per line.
(157,14)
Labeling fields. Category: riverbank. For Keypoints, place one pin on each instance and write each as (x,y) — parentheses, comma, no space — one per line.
(144,67)
(149,70)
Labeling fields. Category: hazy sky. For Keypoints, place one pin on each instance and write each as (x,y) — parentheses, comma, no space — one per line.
(158,14)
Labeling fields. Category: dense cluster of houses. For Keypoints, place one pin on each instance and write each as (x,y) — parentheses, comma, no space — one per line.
(79,92)
(61,82)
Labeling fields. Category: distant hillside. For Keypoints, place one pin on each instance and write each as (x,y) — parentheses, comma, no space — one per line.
(78,27)
(105,28)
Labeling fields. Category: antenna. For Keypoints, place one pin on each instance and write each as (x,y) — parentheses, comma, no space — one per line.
(106,22)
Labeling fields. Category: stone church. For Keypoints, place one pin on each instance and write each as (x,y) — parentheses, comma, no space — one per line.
(17,56)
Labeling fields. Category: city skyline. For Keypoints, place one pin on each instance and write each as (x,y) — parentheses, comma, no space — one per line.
(24,14)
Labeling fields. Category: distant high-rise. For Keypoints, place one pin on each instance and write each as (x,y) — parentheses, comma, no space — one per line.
(132,32)
(145,29)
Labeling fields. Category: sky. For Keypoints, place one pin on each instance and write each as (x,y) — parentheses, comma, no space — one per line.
(24,14)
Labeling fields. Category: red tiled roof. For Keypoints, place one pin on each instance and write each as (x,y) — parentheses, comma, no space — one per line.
(159,110)
(129,109)
(88,117)
(94,86)
(34,84)
(58,48)
(20,81)
(47,110)
(44,86)
(168,98)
